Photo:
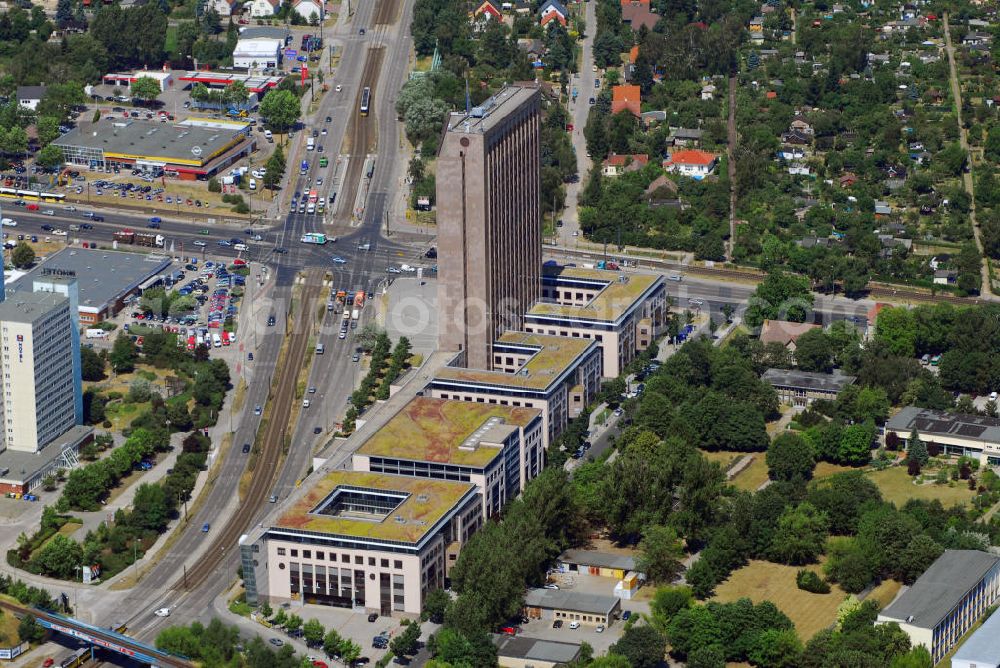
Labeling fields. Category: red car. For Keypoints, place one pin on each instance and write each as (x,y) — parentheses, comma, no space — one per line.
(320,664)
(509,630)
(32,207)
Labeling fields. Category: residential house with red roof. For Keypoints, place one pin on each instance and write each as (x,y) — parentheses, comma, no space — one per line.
(489,9)
(552,10)
(626,97)
(694,163)
(638,13)
(616,165)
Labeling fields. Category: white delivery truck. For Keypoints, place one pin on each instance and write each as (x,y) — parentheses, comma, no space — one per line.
(355,314)
(96,334)
(310,144)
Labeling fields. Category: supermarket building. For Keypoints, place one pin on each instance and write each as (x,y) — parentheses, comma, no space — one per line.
(194,149)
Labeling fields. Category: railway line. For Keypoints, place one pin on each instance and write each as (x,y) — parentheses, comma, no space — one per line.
(387,12)
(362,131)
(267,468)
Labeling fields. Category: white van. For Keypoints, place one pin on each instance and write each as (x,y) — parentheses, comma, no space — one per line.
(320,348)
(216,340)
(253,184)
(239,247)
(8,222)
(310,144)
(268,136)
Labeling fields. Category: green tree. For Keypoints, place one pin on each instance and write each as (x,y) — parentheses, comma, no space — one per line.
(60,557)
(293,623)
(800,535)
(48,129)
(919,554)
(918,657)
(331,642)
(642,645)
(50,156)
(29,630)
(406,643)
(777,648)
(274,168)
(660,553)
(145,89)
(150,508)
(23,255)
(790,458)
(856,444)
(282,109)
(91,365)
(779,296)
(668,601)
(814,351)
(896,327)
(123,354)
(313,632)
(916,449)
(435,604)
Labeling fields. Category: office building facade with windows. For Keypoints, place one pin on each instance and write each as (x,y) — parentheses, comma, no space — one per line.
(363,541)
(488,217)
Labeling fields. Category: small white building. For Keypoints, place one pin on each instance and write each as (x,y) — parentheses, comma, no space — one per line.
(29,96)
(308,9)
(259,47)
(263,8)
(222,7)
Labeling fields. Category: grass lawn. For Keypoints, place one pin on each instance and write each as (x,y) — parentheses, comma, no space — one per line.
(826,469)
(121,414)
(751,477)
(885,593)
(762,580)
(897,487)
(8,629)
(170,41)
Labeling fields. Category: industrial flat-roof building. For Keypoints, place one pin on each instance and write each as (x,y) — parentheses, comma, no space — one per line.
(521,652)
(946,600)
(973,436)
(801,388)
(497,448)
(361,540)
(104,278)
(556,374)
(982,648)
(622,312)
(192,149)
(595,562)
(552,604)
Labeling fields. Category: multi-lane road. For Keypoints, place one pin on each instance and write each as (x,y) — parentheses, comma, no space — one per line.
(197,566)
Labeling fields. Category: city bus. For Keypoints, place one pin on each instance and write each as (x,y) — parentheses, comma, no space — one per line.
(313,238)
(366,96)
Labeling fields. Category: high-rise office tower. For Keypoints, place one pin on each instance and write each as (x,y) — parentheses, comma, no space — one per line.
(489,226)
(39,370)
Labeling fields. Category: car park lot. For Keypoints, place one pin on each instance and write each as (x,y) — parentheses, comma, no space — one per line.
(216,290)
(542,629)
(349,624)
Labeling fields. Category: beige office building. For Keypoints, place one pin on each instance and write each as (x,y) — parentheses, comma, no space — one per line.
(489,227)
(496,448)
(359,540)
(555,374)
(39,388)
(623,312)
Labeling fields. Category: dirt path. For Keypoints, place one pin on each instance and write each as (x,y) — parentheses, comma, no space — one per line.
(731,151)
(963,134)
